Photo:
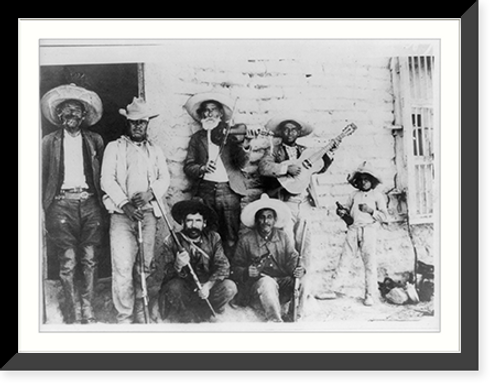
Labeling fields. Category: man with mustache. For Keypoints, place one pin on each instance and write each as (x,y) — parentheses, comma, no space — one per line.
(265,261)
(134,170)
(71,165)
(215,160)
(180,300)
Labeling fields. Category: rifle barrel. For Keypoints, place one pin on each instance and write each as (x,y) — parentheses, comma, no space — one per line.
(179,245)
(142,261)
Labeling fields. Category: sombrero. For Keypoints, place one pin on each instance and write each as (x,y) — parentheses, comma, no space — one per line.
(283,215)
(194,102)
(138,110)
(53,98)
(273,124)
(366,168)
(193,206)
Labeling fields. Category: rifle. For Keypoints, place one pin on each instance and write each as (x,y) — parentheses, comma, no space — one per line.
(296,283)
(142,263)
(178,243)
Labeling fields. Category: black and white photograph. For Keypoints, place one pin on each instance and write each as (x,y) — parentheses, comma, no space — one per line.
(239,185)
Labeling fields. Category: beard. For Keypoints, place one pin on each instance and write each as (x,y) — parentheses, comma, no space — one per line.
(210,123)
(192,233)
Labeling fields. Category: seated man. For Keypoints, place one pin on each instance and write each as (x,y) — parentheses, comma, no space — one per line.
(265,262)
(180,300)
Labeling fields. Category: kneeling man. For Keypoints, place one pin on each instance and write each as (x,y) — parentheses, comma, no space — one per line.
(265,262)
(180,300)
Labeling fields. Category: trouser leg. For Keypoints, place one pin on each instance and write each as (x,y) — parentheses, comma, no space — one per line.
(89,278)
(67,264)
(226,205)
(368,254)
(149,235)
(176,297)
(221,294)
(123,255)
(62,222)
(91,239)
(266,297)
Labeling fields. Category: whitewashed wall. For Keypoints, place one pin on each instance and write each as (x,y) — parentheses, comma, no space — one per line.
(330,84)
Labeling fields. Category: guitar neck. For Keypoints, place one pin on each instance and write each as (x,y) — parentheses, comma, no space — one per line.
(325,149)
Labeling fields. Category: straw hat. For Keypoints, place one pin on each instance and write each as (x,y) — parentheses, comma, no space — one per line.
(138,110)
(194,102)
(283,215)
(365,168)
(53,98)
(274,123)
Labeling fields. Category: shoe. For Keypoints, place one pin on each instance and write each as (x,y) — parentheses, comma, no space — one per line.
(90,320)
(368,301)
(326,296)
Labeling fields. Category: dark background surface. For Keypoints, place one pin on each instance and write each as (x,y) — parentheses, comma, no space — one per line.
(116,85)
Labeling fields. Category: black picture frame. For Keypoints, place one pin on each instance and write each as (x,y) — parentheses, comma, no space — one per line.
(465,360)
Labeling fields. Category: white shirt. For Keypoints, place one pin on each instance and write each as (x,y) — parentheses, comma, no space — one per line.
(373,199)
(74,175)
(220,174)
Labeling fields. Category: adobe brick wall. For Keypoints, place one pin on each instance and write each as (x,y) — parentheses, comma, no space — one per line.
(330,92)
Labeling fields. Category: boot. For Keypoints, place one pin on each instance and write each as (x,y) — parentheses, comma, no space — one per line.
(88,288)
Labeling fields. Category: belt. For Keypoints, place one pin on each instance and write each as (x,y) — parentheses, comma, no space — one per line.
(74,194)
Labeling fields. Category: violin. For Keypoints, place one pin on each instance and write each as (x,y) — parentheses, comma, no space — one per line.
(218,134)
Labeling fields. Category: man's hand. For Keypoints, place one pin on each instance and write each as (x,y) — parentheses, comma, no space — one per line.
(293,169)
(299,272)
(181,260)
(253,271)
(364,208)
(209,167)
(252,133)
(140,199)
(204,292)
(132,212)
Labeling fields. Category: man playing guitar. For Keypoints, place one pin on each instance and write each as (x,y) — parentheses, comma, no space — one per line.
(289,168)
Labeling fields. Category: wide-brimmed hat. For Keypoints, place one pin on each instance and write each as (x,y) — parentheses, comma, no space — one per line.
(138,110)
(365,168)
(53,98)
(283,215)
(193,206)
(193,103)
(273,124)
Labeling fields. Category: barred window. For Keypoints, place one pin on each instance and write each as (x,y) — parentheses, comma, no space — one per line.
(414,91)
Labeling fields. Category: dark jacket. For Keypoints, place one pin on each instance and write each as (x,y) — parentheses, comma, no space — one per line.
(233,157)
(53,162)
(275,257)
(215,267)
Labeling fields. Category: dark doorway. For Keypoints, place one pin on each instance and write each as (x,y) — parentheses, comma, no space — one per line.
(116,85)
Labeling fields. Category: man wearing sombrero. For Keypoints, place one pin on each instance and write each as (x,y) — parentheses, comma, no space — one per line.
(367,207)
(279,163)
(265,261)
(215,159)
(71,165)
(134,171)
(180,300)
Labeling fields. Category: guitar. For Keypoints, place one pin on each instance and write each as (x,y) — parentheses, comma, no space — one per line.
(310,162)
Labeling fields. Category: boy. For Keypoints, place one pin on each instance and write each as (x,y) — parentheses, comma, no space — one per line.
(367,207)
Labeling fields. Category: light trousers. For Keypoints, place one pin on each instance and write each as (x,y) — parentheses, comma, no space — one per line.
(126,287)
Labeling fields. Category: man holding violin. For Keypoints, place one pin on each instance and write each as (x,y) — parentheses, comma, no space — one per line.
(216,155)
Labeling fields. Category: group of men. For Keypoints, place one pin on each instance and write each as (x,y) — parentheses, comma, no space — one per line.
(244,238)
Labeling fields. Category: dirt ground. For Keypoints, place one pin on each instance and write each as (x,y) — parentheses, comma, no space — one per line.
(346,312)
